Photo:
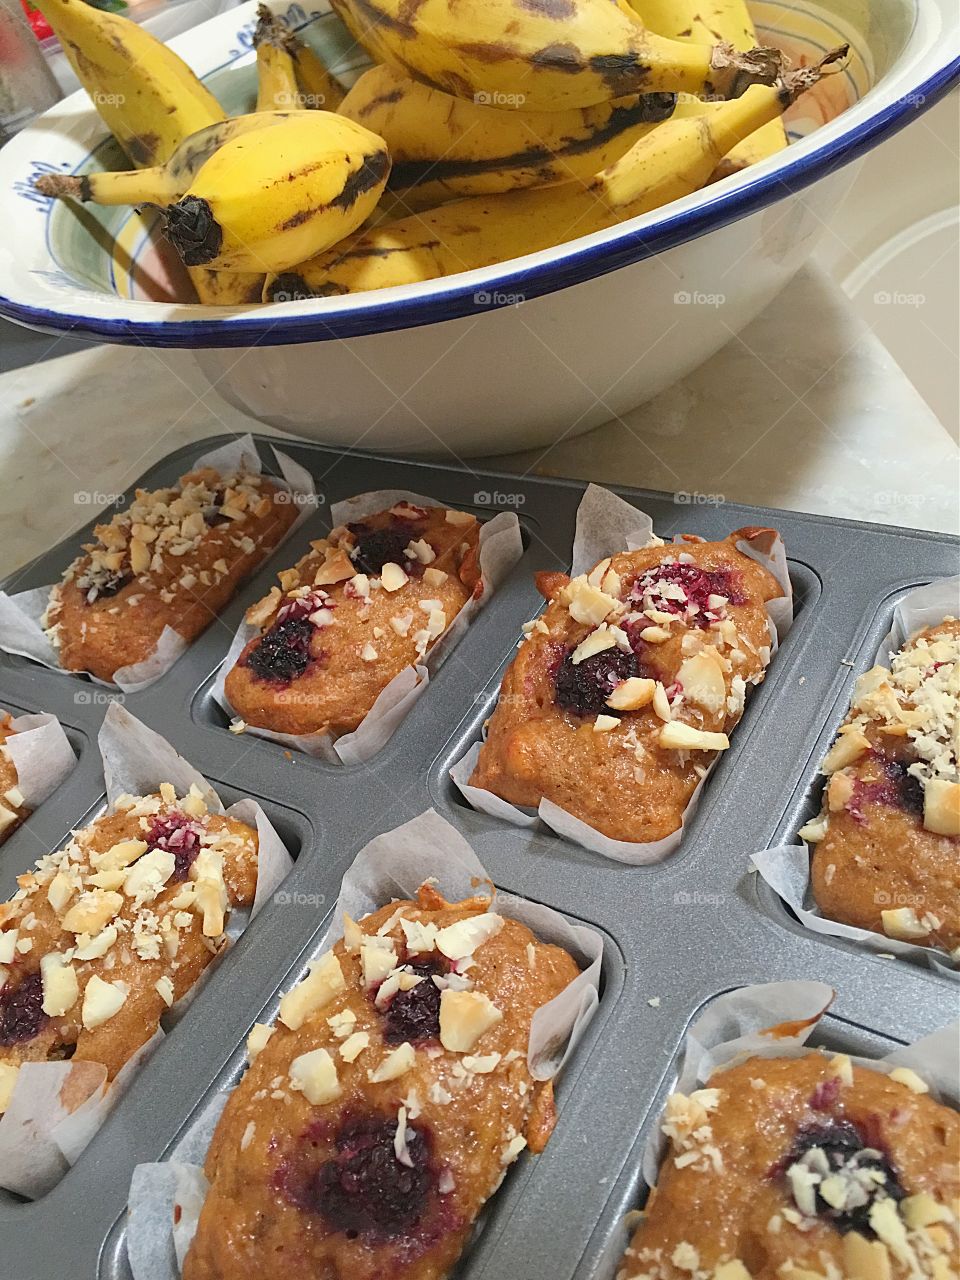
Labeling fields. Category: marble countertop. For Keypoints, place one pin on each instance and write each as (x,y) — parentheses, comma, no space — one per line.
(805,410)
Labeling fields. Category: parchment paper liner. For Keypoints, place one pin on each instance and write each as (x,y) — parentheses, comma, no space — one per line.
(607,525)
(41,754)
(786,868)
(21,629)
(501,546)
(392,865)
(737,1025)
(56,1107)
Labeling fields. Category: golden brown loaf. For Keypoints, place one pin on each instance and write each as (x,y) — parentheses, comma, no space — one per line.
(887,841)
(386,1104)
(807,1167)
(108,932)
(369,600)
(629,683)
(174,558)
(13,810)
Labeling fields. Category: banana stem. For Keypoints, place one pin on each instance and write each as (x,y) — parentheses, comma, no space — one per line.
(733,121)
(136,186)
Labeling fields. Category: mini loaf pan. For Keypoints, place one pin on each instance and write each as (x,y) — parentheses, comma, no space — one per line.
(678,933)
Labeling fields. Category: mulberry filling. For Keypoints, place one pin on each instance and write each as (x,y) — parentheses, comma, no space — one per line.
(584,687)
(365,1190)
(283,653)
(896,788)
(212,514)
(414,1015)
(178,835)
(21,1015)
(663,584)
(376,547)
(102,585)
(834,1175)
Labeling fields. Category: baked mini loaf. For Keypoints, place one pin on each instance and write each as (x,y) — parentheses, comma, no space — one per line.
(810,1168)
(626,687)
(13,810)
(107,933)
(174,558)
(369,600)
(386,1104)
(887,842)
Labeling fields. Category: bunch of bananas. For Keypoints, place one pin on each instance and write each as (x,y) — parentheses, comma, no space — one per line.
(482,133)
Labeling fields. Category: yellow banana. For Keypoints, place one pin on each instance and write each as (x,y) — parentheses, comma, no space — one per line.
(148,96)
(276,71)
(275,197)
(289,73)
(444,147)
(318,86)
(543,55)
(161,184)
(672,161)
(706,22)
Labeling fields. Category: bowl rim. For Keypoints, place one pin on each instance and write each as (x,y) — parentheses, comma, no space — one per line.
(455,297)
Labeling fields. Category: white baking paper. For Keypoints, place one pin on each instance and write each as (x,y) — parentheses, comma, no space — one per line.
(391,866)
(21,615)
(41,754)
(743,1024)
(606,525)
(501,546)
(56,1107)
(786,868)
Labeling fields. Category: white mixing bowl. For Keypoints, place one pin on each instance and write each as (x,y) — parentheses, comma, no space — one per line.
(512,356)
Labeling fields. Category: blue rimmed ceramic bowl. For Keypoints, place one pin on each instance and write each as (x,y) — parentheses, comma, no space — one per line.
(505,358)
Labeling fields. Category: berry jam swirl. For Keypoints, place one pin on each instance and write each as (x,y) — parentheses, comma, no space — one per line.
(836,1155)
(414,1015)
(584,687)
(687,591)
(21,1015)
(283,652)
(364,1189)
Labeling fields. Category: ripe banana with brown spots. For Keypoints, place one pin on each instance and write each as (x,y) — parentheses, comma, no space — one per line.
(161,184)
(674,160)
(273,40)
(269,199)
(289,72)
(443,148)
(707,22)
(146,95)
(544,55)
(149,99)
